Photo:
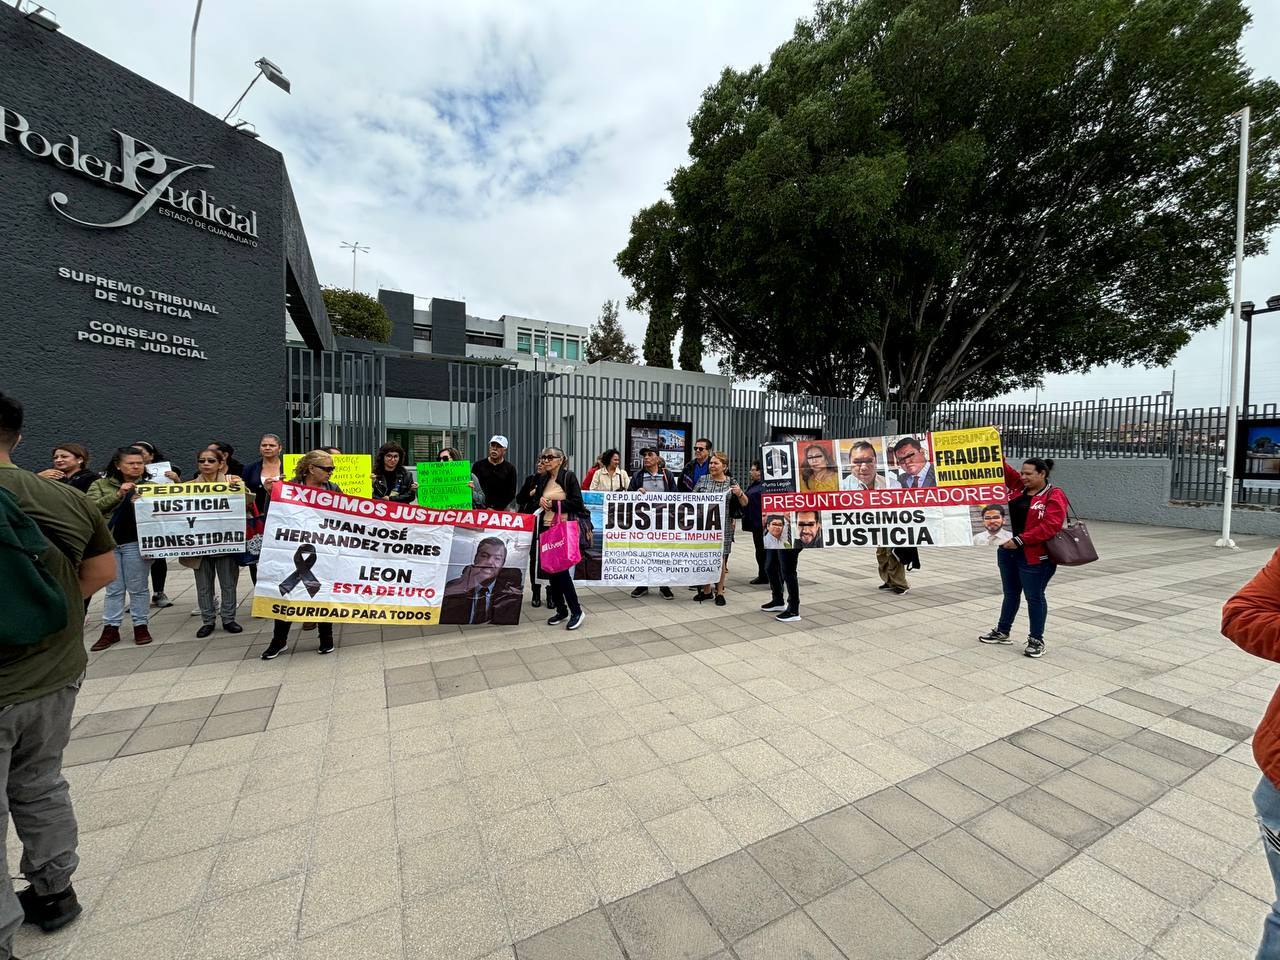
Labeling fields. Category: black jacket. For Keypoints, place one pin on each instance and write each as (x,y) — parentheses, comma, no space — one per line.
(498,481)
(572,508)
(399,483)
(526,496)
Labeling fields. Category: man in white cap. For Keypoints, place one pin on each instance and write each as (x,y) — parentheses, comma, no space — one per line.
(497,477)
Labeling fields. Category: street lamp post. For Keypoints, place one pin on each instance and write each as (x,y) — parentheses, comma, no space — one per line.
(191,88)
(1228,484)
(1247,312)
(265,69)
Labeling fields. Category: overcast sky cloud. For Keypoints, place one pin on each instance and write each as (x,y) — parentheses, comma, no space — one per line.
(496,151)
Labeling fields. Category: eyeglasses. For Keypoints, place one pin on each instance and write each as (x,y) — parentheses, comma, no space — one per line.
(444,458)
(325,469)
(700,449)
(207,461)
(547,456)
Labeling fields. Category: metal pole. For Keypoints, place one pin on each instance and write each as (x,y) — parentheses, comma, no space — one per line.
(191,87)
(1228,486)
(1248,351)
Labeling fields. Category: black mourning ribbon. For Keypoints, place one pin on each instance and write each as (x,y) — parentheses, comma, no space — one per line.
(304,558)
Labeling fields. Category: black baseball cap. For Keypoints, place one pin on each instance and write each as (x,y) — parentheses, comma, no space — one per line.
(644,450)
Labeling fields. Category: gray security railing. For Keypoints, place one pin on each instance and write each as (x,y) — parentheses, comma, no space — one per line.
(1198,445)
(335,399)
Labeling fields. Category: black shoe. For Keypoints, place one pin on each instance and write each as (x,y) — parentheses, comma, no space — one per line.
(700,596)
(326,646)
(720,600)
(639,591)
(273,651)
(899,590)
(560,617)
(885,586)
(666,592)
(756,581)
(52,912)
(788,616)
(773,606)
(1035,647)
(995,636)
(232,627)
(576,620)
(204,631)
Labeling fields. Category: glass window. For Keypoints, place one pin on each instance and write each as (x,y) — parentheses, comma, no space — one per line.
(524,343)
(540,345)
(571,350)
(557,346)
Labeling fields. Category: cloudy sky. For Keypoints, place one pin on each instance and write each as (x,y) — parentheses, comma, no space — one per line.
(496,151)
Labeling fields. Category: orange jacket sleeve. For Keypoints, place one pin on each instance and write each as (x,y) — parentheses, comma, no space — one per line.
(1251,619)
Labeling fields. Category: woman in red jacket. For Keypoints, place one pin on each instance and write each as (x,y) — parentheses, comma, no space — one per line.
(1037,510)
(1251,620)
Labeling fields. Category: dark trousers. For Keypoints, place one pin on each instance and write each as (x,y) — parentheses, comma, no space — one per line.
(781,569)
(757,537)
(159,574)
(1019,579)
(280,632)
(562,594)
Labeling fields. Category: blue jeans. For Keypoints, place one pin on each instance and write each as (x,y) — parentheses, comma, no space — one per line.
(131,576)
(1020,578)
(1266,800)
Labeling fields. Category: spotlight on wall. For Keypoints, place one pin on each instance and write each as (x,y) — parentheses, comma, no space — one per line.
(265,69)
(40,16)
(245,127)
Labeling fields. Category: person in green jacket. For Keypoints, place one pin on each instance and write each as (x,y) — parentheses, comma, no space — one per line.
(113,495)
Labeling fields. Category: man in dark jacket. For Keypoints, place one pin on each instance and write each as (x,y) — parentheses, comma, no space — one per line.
(653,477)
(496,475)
(699,466)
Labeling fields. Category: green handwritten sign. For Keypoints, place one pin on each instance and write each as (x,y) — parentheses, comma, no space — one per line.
(445,486)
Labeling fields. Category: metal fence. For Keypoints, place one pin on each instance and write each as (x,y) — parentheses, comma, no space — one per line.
(1197,449)
(336,399)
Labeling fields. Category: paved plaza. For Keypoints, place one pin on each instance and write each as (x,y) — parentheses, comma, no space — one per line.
(677,780)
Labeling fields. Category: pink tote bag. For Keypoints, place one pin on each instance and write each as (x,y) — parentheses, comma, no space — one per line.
(558,547)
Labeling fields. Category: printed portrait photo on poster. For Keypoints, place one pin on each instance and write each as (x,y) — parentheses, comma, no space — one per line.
(863,465)
(990,525)
(910,461)
(819,471)
(486,578)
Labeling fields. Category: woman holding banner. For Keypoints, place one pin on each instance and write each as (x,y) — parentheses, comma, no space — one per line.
(1037,511)
(453,455)
(391,478)
(223,566)
(313,470)
(114,495)
(717,480)
(560,497)
(160,567)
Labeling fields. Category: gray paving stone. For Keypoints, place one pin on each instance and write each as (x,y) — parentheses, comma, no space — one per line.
(177,710)
(800,864)
(1025,843)
(1163,874)
(235,724)
(795,937)
(1102,722)
(92,749)
(1219,725)
(1120,779)
(461,685)
(953,800)
(587,937)
(738,895)
(1049,748)
(1016,761)
(455,668)
(505,676)
(162,737)
(988,780)
(1087,795)
(922,893)
(419,691)
(856,839)
(663,923)
(1086,738)
(906,817)
(865,926)
(1064,821)
(991,877)
(1161,769)
(109,721)
(414,673)
(243,700)
(1144,701)
(1171,749)
(553,666)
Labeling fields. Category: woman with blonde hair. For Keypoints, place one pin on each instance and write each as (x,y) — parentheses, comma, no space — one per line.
(313,470)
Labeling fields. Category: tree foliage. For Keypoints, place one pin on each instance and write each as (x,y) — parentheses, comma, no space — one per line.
(606,341)
(933,199)
(356,314)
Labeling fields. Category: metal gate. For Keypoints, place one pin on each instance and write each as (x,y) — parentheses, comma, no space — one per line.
(336,399)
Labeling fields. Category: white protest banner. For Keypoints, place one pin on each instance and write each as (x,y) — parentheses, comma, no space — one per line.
(190,519)
(331,557)
(651,539)
(942,488)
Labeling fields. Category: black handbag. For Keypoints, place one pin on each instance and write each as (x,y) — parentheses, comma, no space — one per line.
(1071,546)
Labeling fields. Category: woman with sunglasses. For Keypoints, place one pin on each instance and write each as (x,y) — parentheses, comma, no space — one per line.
(391,478)
(452,454)
(718,480)
(210,468)
(313,470)
(558,487)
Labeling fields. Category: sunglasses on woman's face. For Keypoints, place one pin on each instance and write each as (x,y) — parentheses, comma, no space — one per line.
(444,458)
(325,469)
(548,456)
(203,460)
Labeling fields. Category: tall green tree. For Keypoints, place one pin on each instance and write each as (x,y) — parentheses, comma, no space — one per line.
(356,314)
(941,199)
(605,339)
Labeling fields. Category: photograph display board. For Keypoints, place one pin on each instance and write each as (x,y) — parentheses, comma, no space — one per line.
(1258,449)
(672,438)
